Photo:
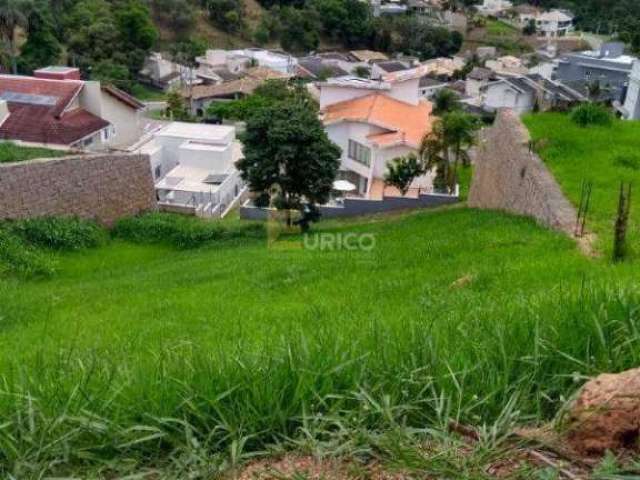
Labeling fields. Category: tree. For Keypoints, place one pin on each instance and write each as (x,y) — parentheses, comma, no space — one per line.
(42,47)
(288,156)
(299,29)
(13,14)
(176,107)
(450,136)
(402,171)
(266,95)
(530,28)
(110,73)
(460,129)
(444,101)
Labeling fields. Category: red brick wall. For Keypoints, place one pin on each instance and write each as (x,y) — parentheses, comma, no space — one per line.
(102,187)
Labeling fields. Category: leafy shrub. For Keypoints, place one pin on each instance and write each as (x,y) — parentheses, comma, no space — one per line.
(180,231)
(59,233)
(591,114)
(630,161)
(17,257)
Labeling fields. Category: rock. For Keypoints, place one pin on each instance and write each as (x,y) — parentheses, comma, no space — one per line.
(606,414)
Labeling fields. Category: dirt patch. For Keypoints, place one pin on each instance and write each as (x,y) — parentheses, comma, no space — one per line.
(295,467)
(606,414)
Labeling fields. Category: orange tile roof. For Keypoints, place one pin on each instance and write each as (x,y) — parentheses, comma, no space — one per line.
(406,123)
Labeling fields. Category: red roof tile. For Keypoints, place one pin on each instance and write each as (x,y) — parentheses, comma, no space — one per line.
(47,117)
(404,123)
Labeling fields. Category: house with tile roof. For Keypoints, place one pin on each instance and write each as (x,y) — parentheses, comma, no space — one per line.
(523,93)
(199,97)
(373,122)
(56,109)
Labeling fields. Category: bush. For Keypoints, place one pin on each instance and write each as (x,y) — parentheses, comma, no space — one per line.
(588,114)
(16,257)
(59,233)
(180,231)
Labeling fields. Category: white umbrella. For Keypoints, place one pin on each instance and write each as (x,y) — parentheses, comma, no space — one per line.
(343,186)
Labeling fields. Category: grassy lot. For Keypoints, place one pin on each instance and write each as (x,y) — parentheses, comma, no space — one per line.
(145,93)
(508,39)
(10,152)
(145,355)
(603,155)
(498,28)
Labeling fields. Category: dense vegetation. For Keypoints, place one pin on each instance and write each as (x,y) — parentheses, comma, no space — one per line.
(190,361)
(109,39)
(602,154)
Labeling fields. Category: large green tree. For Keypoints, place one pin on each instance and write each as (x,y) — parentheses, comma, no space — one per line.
(42,48)
(14,14)
(288,156)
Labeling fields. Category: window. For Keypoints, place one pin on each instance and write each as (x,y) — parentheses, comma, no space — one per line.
(158,171)
(359,153)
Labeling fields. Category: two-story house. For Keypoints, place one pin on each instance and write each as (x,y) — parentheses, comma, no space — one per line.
(373,122)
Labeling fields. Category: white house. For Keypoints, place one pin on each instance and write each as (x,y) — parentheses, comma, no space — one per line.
(164,74)
(374,122)
(524,92)
(193,166)
(553,23)
(494,7)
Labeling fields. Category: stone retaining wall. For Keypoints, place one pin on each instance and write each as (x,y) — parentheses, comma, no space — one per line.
(508,176)
(102,187)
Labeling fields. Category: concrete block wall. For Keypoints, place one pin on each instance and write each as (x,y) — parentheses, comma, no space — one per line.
(101,187)
(508,176)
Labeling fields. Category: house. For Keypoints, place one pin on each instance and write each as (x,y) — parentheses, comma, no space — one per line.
(166,75)
(494,7)
(368,56)
(429,86)
(631,108)
(379,69)
(443,67)
(423,8)
(373,122)
(507,65)
(200,96)
(390,7)
(217,66)
(608,66)
(193,167)
(56,109)
(524,93)
(552,23)
(316,67)
(477,79)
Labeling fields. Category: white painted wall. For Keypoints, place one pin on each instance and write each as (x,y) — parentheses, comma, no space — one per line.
(501,95)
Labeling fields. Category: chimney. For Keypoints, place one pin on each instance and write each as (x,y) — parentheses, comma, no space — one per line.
(58,73)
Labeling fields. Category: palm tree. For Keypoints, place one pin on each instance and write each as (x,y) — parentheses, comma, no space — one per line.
(451,136)
(445,100)
(13,14)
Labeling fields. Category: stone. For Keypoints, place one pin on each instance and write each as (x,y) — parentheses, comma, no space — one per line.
(104,187)
(509,176)
(606,414)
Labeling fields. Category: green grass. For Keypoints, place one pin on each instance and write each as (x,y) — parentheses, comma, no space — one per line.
(137,356)
(145,93)
(604,155)
(10,152)
(499,28)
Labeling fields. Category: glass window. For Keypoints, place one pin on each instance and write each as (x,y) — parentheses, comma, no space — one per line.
(359,153)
